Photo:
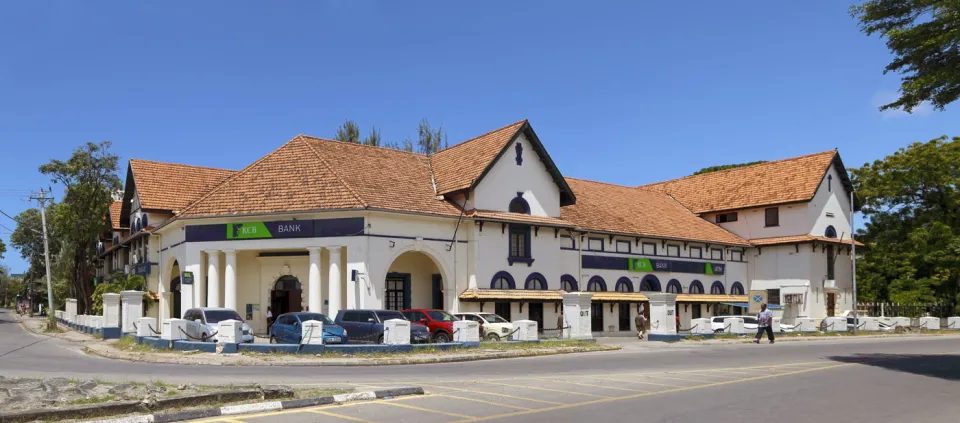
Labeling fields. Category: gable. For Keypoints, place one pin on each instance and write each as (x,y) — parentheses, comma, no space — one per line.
(518,172)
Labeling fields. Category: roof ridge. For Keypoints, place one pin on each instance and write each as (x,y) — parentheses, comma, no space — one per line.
(230,178)
(765,163)
(333,171)
(379,147)
(180,164)
(599,182)
(482,135)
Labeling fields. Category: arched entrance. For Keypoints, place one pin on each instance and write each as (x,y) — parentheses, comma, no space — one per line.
(413,280)
(287,296)
(175,309)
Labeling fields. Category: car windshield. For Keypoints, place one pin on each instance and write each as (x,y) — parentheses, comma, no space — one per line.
(216,316)
(318,317)
(493,318)
(390,315)
(442,316)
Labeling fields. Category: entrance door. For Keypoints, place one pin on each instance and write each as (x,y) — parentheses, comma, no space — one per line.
(831,303)
(502,309)
(437,292)
(596,317)
(535,311)
(624,319)
(398,292)
(286,296)
(175,291)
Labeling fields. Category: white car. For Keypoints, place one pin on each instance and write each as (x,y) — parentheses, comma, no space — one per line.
(492,326)
(750,323)
(203,323)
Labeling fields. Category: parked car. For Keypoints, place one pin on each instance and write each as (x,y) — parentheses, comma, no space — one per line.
(204,323)
(287,329)
(750,323)
(438,322)
(366,326)
(492,326)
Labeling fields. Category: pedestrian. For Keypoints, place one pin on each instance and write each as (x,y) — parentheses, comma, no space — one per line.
(641,323)
(269,318)
(764,324)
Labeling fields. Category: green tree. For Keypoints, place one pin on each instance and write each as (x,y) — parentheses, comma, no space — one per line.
(117,284)
(373,139)
(3,248)
(924,37)
(89,178)
(348,132)
(725,167)
(911,204)
(430,140)
(28,239)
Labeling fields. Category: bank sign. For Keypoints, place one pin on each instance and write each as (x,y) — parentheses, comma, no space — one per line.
(278,229)
(259,230)
(647,265)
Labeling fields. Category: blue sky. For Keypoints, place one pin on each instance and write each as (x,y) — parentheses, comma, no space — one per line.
(620,91)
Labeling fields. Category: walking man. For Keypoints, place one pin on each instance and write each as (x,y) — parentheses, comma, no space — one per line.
(765,323)
(641,323)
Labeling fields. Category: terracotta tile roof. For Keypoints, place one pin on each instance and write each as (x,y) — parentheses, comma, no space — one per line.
(800,238)
(115,214)
(518,218)
(711,298)
(171,186)
(614,296)
(617,209)
(783,181)
(457,167)
(510,294)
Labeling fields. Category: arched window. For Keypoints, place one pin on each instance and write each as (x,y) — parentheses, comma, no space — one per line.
(568,283)
(695,287)
(536,281)
(736,289)
(502,280)
(519,205)
(674,287)
(650,283)
(624,285)
(144,220)
(287,283)
(597,284)
(831,232)
(717,288)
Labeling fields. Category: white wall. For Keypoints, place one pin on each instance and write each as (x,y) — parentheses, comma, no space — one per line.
(795,219)
(834,199)
(505,179)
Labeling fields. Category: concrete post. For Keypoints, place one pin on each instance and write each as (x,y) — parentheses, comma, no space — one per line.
(71,310)
(131,304)
(663,313)
(230,281)
(334,281)
(311,333)
(111,310)
(315,301)
(213,278)
(576,314)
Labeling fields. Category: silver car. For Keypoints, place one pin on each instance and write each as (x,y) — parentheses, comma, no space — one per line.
(205,322)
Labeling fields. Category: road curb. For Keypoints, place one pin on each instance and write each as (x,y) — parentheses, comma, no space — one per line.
(812,338)
(260,407)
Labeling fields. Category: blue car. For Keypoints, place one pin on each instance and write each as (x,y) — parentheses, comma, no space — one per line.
(287,329)
(366,326)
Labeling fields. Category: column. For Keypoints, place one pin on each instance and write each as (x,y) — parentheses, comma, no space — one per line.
(315,303)
(230,281)
(200,284)
(335,281)
(576,315)
(663,309)
(213,278)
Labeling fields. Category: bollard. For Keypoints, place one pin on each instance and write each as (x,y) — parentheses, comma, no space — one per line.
(230,332)
(526,330)
(466,331)
(144,325)
(396,332)
(733,325)
(312,333)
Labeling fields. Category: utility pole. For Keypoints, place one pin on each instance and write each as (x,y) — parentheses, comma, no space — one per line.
(42,199)
(853,255)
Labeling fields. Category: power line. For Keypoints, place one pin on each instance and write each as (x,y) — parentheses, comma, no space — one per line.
(7,215)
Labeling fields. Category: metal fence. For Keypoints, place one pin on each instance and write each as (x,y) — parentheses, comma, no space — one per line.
(906,310)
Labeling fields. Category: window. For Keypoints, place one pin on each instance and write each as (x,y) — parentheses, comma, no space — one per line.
(623,246)
(387,315)
(316,316)
(830,262)
(716,254)
(649,249)
(595,244)
(695,287)
(727,217)
(441,316)
(717,288)
(771,217)
(536,281)
(287,319)
(736,289)
(750,320)
(596,284)
(519,241)
(396,290)
(624,285)
(736,255)
(650,283)
(414,316)
(568,242)
(673,250)
(773,296)
(519,205)
(695,311)
(829,183)
(216,316)
(696,252)
(831,232)
(502,280)
(568,283)
(503,310)
(673,287)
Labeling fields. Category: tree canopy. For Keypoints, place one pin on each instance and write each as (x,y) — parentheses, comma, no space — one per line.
(924,37)
(429,140)
(911,206)
(725,167)
(28,239)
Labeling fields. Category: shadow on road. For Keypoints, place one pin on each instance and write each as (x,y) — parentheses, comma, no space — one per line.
(939,366)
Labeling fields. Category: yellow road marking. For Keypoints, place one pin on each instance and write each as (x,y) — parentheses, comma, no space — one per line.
(494,394)
(501,405)
(613,379)
(646,394)
(702,374)
(224,419)
(590,385)
(680,378)
(428,410)
(544,389)
(725,371)
(351,418)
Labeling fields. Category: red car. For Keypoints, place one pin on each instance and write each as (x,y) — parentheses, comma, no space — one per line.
(439,322)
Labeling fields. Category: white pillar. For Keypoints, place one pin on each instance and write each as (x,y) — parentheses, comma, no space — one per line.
(230,281)
(111,310)
(131,309)
(335,281)
(663,313)
(213,278)
(315,303)
(200,284)
(576,315)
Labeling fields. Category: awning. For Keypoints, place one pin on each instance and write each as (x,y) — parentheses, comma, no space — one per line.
(710,298)
(747,305)
(619,297)
(484,295)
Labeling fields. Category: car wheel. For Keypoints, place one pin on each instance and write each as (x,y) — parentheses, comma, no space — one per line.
(718,331)
(273,340)
(203,337)
(493,337)
(441,338)
(380,339)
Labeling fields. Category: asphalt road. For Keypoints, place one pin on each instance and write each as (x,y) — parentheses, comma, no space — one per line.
(875,380)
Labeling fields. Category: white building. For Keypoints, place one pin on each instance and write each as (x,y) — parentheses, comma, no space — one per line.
(490,224)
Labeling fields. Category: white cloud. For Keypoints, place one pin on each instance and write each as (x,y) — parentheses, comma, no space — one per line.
(886,97)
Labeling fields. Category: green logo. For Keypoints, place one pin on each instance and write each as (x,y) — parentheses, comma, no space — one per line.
(640,265)
(252,230)
(709,269)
